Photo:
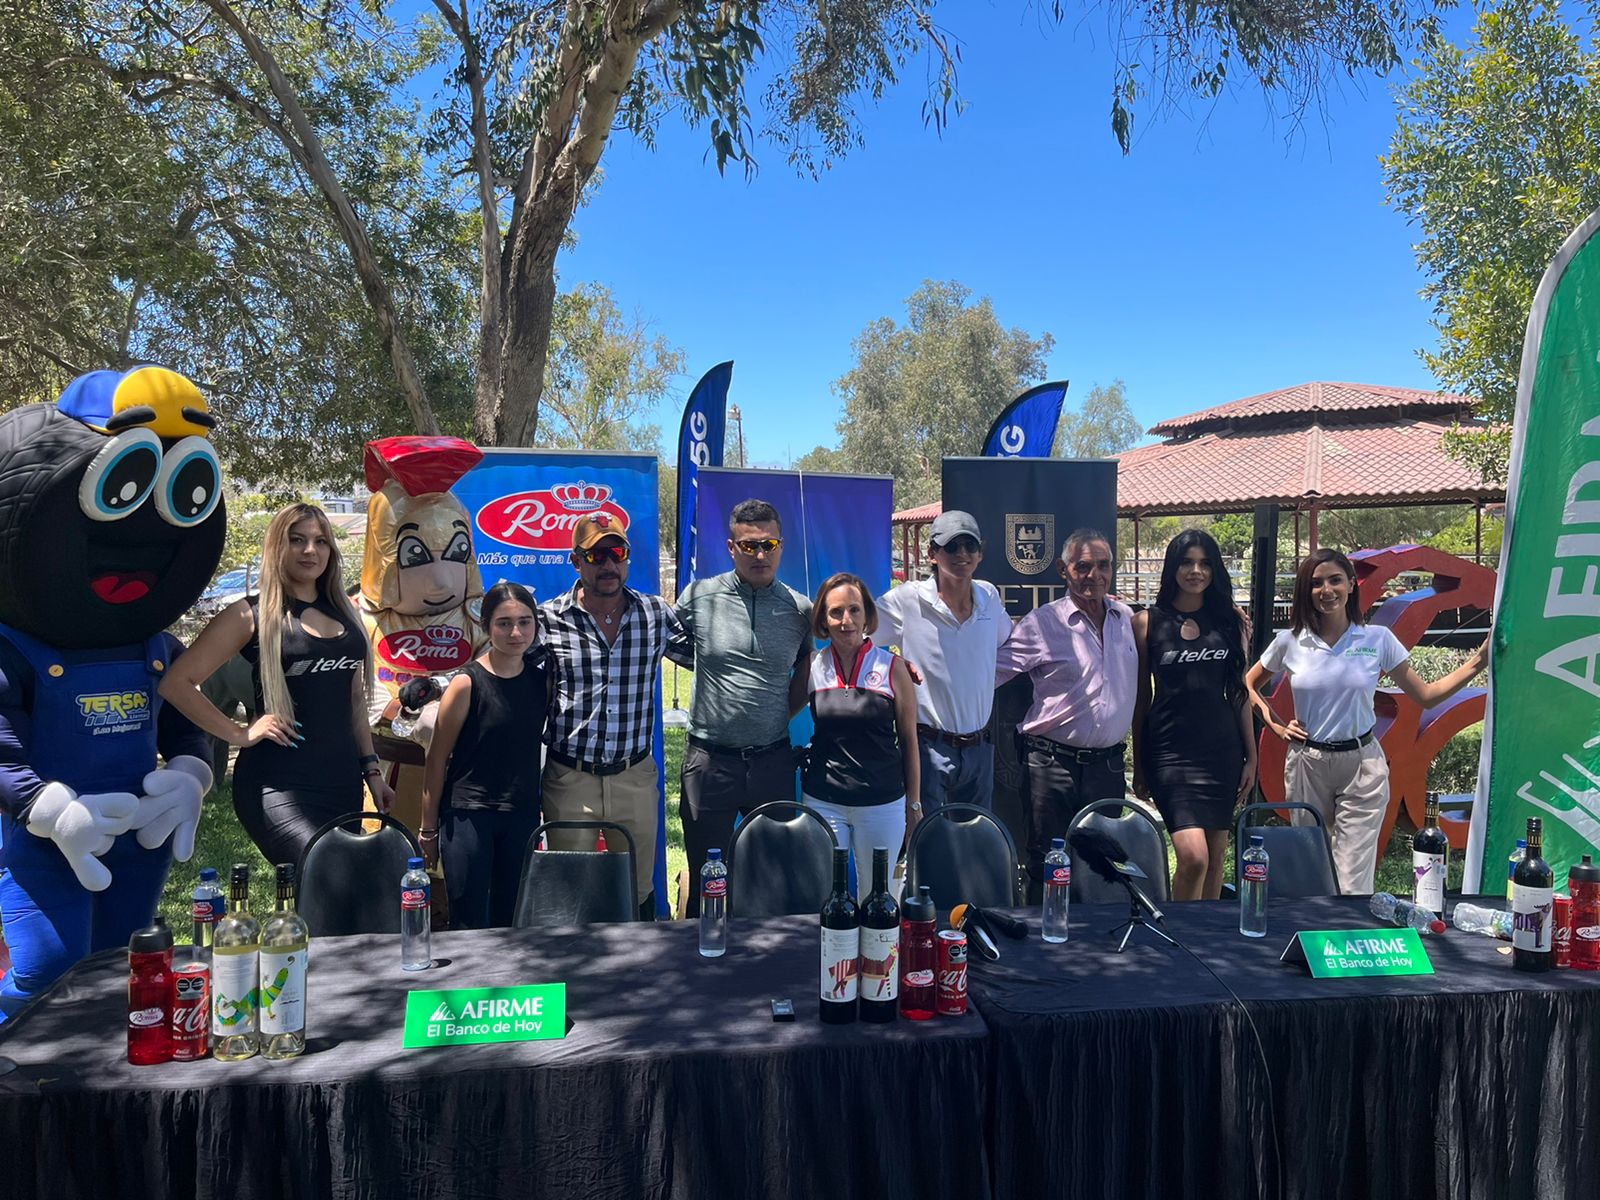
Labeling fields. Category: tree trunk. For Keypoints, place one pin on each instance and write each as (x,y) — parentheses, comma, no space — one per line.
(525,347)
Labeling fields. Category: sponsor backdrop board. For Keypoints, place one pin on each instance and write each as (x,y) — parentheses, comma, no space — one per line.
(524,504)
(1025,508)
(1541,752)
(831,523)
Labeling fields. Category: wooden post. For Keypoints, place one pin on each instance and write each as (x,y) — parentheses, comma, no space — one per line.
(1297,537)
(1136,556)
(1312,532)
(1477,532)
(905,551)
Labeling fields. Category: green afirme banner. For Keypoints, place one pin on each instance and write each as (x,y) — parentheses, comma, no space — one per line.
(469,1016)
(1541,752)
(1359,953)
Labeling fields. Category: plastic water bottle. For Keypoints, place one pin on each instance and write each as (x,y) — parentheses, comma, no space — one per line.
(209,905)
(416,944)
(1057,891)
(1253,889)
(713,905)
(1474,918)
(1404,912)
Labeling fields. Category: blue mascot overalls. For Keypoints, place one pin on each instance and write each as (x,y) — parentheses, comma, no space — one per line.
(111,524)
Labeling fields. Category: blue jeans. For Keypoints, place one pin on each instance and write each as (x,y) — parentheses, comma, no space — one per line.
(956,774)
(51,921)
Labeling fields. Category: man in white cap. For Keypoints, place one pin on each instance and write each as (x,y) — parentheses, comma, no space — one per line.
(952,626)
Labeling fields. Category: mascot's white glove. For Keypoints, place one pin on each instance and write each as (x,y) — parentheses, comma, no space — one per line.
(83,827)
(171,802)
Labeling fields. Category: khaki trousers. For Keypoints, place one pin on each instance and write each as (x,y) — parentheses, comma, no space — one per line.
(628,798)
(1350,788)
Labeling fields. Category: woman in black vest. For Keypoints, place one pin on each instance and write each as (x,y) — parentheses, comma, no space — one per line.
(862,772)
(1194,745)
(480,789)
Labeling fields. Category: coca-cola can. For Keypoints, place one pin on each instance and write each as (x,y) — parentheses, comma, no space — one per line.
(1563,931)
(191,1011)
(952,998)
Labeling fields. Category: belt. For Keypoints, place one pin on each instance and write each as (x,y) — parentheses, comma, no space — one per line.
(611,768)
(1073,754)
(744,752)
(1354,743)
(959,740)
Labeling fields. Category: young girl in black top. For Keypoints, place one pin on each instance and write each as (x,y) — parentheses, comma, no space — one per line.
(480,790)
(303,762)
(1194,743)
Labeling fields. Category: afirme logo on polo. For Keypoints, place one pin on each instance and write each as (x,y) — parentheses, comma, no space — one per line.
(544,520)
(1030,538)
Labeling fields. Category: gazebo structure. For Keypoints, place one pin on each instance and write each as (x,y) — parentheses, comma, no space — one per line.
(1308,449)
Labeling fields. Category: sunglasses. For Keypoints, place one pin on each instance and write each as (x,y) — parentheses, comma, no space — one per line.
(960,545)
(605,554)
(755,546)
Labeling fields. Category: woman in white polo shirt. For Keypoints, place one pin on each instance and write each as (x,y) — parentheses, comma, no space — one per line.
(1335,660)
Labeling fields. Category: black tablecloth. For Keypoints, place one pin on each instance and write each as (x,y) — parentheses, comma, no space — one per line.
(673,1082)
(1134,1074)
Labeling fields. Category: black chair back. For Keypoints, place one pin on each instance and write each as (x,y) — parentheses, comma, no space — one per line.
(576,887)
(350,880)
(780,861)
(963,855)
(1301,858)
(1136,833)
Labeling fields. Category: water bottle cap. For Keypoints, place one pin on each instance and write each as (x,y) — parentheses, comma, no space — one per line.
(153,939)
(412,864)
(208,874)
(1058,843)
(714,855)
(1257,839)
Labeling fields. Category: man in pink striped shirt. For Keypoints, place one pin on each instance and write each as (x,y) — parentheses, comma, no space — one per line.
(1080,653)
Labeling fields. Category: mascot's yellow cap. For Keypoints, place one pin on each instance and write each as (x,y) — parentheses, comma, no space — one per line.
(153,397)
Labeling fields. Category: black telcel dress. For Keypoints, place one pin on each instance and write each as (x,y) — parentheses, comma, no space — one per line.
(1193,753)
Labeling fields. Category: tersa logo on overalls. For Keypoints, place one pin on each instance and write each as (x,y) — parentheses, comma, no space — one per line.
(545,520)
(113,708)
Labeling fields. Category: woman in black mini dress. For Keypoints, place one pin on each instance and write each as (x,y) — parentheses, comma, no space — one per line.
(1194,748)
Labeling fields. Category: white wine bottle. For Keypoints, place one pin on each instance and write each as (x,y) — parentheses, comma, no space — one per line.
(235,946)
(285,946)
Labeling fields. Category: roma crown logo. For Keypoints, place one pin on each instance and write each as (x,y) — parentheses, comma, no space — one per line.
(581,496)
(1029,541)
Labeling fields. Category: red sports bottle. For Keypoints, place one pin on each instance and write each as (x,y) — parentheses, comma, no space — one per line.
(918,920)
(1583,881)
(150,995)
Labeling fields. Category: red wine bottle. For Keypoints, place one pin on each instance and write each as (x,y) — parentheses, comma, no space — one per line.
(841,947)
(1430,860)
(1533,909)
(880,945)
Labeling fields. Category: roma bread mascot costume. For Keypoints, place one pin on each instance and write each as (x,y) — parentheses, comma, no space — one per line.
(111,524)
(420,589)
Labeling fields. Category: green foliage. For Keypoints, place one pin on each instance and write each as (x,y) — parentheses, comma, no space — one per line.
(1496,159)
(1101,427)
(1235,533)
(931,387)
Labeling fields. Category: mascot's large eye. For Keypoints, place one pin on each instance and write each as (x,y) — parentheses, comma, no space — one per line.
(412,553)
(459,550)
(190,483)
(120,476)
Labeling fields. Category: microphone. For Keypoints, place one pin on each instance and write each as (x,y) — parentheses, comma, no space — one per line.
(966,917)
(1010,926)
(1108,858)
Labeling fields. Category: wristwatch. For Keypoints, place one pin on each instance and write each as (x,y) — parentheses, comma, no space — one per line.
(917,807)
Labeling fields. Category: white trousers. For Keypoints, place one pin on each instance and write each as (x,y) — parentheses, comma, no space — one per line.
(861,827)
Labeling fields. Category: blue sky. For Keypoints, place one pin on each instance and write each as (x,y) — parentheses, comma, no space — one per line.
(1229,254)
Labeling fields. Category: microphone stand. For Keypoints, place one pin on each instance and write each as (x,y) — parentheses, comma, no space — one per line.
(1138,905)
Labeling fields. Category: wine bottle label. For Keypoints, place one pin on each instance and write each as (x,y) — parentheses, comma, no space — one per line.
(283,991)
(1428,873)
(1532,920)
(233,982)
(880,964)
(841,960)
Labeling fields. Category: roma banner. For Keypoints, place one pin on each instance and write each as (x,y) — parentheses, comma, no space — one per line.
(524,504)
(1541,752)
(700,442)
(1026,428)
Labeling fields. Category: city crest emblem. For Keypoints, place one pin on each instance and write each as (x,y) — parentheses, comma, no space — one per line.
(1030,538)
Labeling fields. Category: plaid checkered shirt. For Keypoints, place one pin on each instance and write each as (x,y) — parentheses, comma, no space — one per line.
(605,695)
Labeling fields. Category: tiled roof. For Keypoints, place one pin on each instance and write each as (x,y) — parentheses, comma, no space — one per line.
(1394,462)
(1311,400)
(918,516)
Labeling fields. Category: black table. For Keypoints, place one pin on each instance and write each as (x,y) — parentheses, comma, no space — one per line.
(1135,1074)
(673,1082)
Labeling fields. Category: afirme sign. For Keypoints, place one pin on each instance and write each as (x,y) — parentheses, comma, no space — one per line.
(1357,953)
(470,1016)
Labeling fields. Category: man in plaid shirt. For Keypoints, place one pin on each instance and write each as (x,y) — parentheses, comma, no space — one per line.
(606,643)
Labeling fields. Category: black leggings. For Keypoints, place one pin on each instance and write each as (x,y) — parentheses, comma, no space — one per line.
(281,821)
(482,851)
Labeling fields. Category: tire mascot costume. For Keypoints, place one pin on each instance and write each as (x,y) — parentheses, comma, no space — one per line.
(111,524)
(421,594)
